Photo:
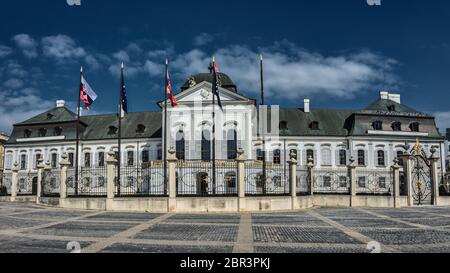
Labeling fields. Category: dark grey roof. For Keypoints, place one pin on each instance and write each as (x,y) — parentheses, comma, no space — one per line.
(55,115)
(226,81)
(331,122)
(98,126)
(384,105)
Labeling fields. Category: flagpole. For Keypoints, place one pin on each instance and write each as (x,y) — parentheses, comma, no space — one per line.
(264,117)
(165,127)
(119,159)
(78,132)
(214,130)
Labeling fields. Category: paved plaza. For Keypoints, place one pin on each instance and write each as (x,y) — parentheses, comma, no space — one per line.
(26,228)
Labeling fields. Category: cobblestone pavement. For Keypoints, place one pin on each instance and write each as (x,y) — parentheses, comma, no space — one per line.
(28,228)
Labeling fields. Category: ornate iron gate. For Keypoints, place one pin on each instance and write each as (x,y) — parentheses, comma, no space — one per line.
(421,177)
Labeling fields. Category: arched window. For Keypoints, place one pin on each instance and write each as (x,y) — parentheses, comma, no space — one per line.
(206,145)
(415,127)
(342,157)
(180,146)
(57,131)
(283,125)
(232,144)
(140,129)
(326,157)
(277,156)
(87,159)
(310,154)
(397,126)
(377,125)
(42,132)
(381,158)
(314,125)
(361,158)
(130,158)
(27,133)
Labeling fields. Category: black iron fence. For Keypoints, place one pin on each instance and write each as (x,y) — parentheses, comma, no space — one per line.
(27,183)
(5,184)
(276,182)
(374,182)
(303,183)
(91,182)
(195,178)
(146,180)
(331,181)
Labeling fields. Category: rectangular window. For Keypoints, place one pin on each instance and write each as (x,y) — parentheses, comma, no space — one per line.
(382,182)
(362,181)
(277,157)
(327,181)
(87,159)
(71,159)
(130,158)
(310,155)
(101,159)
(160,154)
(23,162)
(343,182)
(145,156)
(342,157)
(361,158)
(259,155)
(38,157)
(54,161)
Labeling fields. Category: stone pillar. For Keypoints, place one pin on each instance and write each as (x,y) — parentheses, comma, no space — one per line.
(111,163)
(435,176)
(64,164)
(407,162)
(352,175)
(310,166)
(396,183)
(40,167)
(14,181)
(172,179)
(293,179)
(241,179)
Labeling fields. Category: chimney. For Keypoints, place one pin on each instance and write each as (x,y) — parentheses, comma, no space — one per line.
(396,98)
(60,103)
(307,104)
(384,95)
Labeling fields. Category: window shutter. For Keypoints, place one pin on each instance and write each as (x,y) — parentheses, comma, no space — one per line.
(26,162)
(337,155)
(315,157)
(34,162)
(198,149)
(304,159)
(347,152)
(366,158)
(224,151)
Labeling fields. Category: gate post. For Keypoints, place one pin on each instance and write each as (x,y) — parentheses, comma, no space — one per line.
(435,176)
(407,166)
(14,181)
(172,179)
(352,176)
(396,182)
(293,179)
(40,167)
(65,163)
(111,163)
(241,179)
(310,167)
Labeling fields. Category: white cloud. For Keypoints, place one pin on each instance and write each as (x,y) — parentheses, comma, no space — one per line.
(13,84)
(292,72)
(203,39)
(122,56)
(19,106)
(27,44)
(62,47)
(5,51)
(442,120)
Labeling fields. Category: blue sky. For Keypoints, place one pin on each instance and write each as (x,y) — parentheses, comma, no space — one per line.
(340,54)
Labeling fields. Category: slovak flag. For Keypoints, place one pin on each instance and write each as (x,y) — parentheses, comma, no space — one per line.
(87,95)
(173,100)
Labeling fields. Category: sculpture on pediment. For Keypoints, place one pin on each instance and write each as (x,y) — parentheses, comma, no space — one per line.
(192,82)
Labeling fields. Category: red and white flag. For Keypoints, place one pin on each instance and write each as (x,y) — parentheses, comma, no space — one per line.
(173,100)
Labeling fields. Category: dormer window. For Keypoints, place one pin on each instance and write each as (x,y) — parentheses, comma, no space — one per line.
(415,127)
(397,126)
(314,125)
(42,132)
(140,129)
(283,125)
(49,116)
(377,125)
(57,131)
(112,130)
(391,108)
(27,133)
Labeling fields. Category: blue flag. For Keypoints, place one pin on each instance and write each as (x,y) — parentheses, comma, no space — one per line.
(123,94)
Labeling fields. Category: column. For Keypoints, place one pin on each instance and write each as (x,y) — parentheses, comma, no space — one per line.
(14,181)
(64,165)
(352,175)
(396,182)
(293,179)
(435,176)
(241,179)
(40,167)
(172,178)
(408,176)
(310,166)
(111,164)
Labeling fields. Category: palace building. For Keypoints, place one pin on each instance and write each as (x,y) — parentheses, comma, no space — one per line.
(330,139)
